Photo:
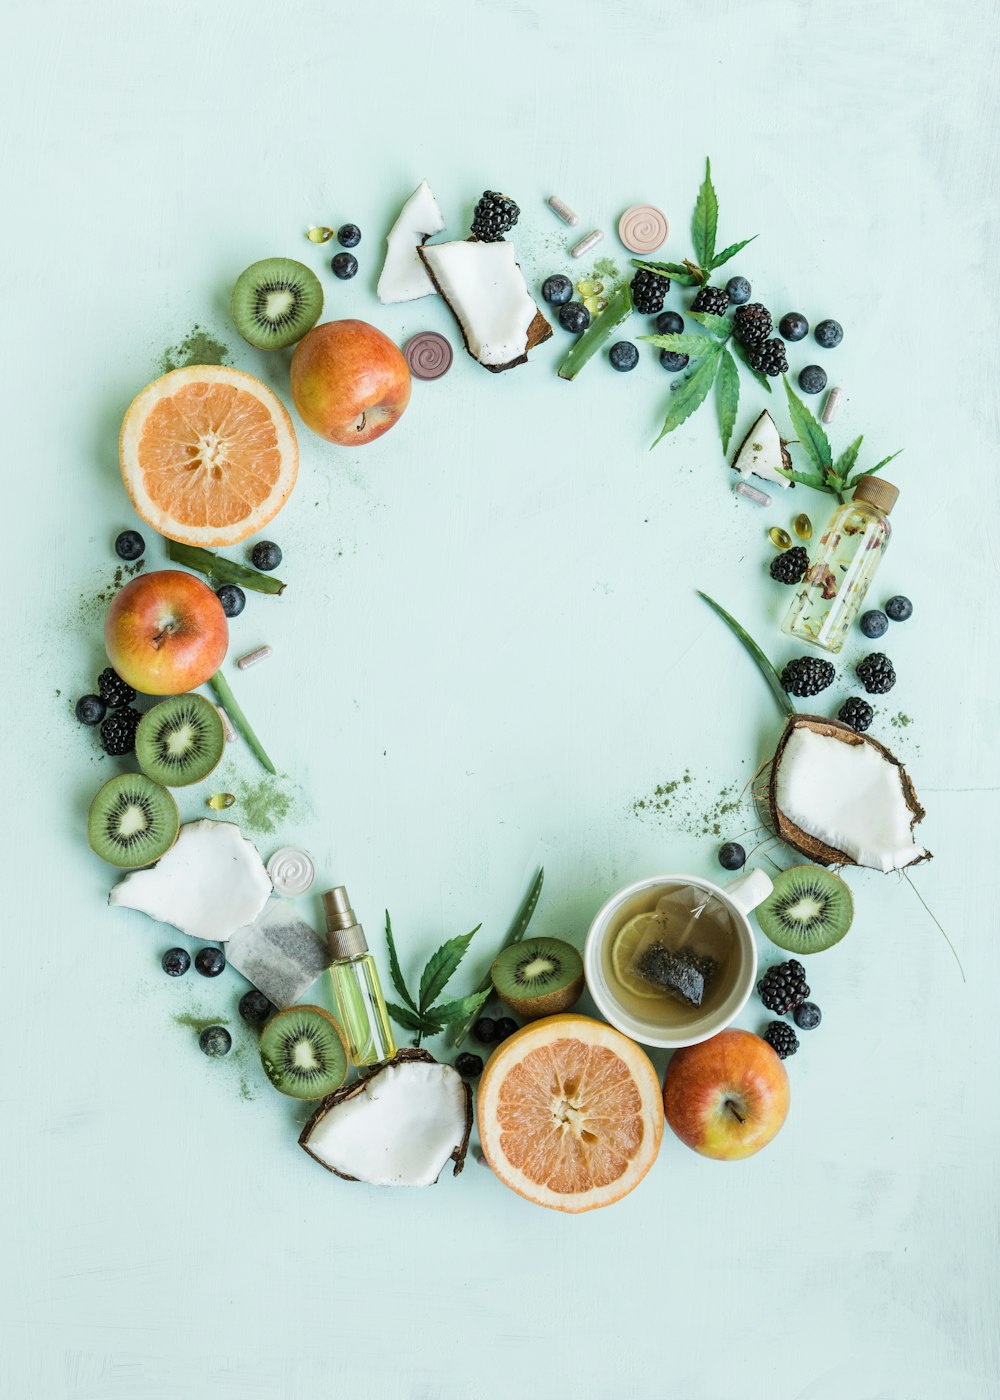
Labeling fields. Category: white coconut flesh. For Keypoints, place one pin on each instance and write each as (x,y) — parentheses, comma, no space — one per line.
(400,1129)
(210,883)
(404,277)
(488,295)
(760,453)
(848,796)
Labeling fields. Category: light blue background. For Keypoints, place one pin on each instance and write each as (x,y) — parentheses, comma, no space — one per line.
(489,649)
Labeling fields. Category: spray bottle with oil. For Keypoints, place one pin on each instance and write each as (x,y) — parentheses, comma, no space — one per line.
(355,984)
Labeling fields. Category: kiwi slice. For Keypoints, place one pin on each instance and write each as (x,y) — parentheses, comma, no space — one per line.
(132,821)
(808,910)
(180,740)
(304,1052)
(538,976)
(275,301)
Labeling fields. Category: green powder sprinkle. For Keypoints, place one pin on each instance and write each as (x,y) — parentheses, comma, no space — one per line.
(901,721)
(199,1023)
(263,805)
(604,267)
(197,348)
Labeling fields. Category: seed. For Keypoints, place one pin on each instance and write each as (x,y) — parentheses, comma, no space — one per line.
(252,657)
(563,210)
(319,234)
(803,527)
(227,725)
(832,405)
(780,538)
(750,493)
(585,244)
(219,801)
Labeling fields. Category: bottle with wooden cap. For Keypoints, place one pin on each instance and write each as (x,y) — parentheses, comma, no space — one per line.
(851,547)
(355,984)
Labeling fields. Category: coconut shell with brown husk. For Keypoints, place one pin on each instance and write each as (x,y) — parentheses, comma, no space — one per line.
(841,798)
(397,1125)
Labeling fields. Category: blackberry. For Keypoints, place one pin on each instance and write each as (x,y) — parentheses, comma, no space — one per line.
(807,675)
(791,566)
(557,290)
(574,317)
(649,292)
(739,290)
(752,324)
(469,1066)
(494,216)
(783,987)
(899,608)
(130,545)
(623,356)
(713,299)
(672,361)
(118,731)
(768,358)
(113,690)
(90,709)
(265,555)
(828,334)
(812,379)
(669,323)
(793,326)
(485,1030)
(782,1039)
(876,674)
(874,623)
(857,713)
(732,856)
(807,1015)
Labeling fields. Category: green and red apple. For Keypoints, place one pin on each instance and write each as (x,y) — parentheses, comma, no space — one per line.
(166,633)
(727,1097)
(350,382)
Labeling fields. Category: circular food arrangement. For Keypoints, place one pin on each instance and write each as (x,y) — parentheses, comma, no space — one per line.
(568,1109)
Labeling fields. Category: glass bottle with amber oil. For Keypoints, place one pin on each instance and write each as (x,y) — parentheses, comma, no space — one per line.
(355,984)
(851,549)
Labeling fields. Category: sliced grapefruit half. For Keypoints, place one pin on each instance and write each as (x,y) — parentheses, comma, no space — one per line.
(570,1113)
(208,455)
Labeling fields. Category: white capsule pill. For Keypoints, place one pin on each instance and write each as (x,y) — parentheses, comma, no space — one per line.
(751,493)
(563,210)
(832,405)
(252,657)
(227,725)
(585,244)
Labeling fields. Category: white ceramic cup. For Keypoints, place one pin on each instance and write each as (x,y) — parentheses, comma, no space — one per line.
(740,896)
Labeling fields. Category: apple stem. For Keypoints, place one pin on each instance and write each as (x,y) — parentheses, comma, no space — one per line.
(732,1109)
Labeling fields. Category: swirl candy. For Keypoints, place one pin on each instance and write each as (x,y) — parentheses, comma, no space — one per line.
(428,355)
(643,228)
(291,871)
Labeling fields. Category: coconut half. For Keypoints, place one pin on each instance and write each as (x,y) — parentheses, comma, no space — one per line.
(404,277)
(762,453)
(399,1125)
(211,882)
(489,298)
(841,798)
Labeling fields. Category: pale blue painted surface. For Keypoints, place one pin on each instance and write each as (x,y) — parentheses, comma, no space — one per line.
(489,649)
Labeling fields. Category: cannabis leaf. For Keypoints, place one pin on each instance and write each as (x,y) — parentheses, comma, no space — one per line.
(705,221)
(422,1016)
(687,274)
(727,396)
(847,459)
(870,471)
(457,1008)
(766,669)
(395,971)
(441,965)
(810,433)
(730,252)
(514,934)
(718,325)
(681,344)
(693,393)
(834,477)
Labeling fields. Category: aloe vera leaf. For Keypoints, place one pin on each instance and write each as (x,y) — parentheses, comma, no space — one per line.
(514,934)
(766,669)
(618,309)
(226,698)
(203,561)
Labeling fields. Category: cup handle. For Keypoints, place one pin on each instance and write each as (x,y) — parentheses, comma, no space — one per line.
(749,890)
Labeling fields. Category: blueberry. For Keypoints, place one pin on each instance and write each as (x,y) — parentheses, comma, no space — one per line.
(732,856)
(670,360)
(807,1015)
(557,290)
(828,334)
(175,962)
(874,623)
(90,709)
(210,961)
(505,1026)
(574,317)
(485,1030)
(348,235)
(469,1066)
(899,608)
(793,326)
(232,598)
(623,356)
(130,545)
(344,265)
(255,1007)
(265,555)
(215,1040)
(812,380)
(739,290)
(669,323)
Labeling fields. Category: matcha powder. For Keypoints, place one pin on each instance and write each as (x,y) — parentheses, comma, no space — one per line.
(197,348)
(263,805)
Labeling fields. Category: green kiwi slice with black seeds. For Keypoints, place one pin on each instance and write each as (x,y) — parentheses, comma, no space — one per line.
(180,740)
(304,1052)
(132,821)
(275,301)
(809,909)
(538,976)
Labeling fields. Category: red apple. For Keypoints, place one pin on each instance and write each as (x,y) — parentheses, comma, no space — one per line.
(727,1097)
(166,633)
(350,383)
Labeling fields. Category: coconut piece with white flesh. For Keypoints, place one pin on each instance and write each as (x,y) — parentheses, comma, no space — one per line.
(842,798)
(404,277)
(211,882)
(399,1125)
(486,293)
(763,453)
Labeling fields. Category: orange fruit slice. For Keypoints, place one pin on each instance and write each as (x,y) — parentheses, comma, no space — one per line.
(570,1113)
(208,455)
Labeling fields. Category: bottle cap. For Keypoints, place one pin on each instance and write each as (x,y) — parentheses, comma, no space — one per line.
(878,493)
(345,936)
